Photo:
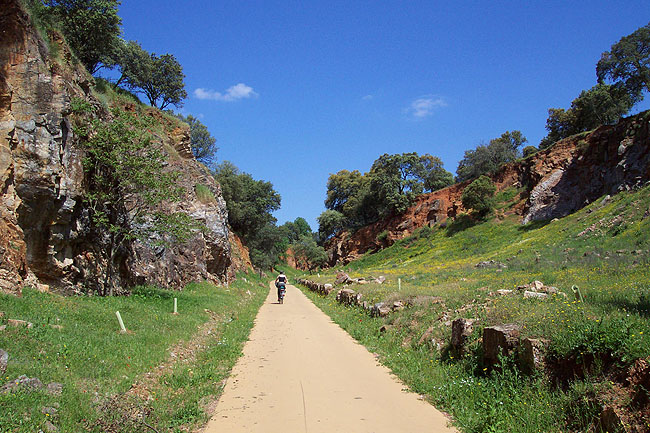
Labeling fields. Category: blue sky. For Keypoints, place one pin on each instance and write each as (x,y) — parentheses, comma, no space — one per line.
(294,91)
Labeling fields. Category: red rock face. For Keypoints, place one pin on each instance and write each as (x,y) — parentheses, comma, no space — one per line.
(554,182)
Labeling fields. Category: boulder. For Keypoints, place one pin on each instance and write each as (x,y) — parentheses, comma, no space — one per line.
(346,296)
(380,280)
(499,340)
(342,278)
(380,309)
(461,329)
(531,354)
(609,421)
(397,306)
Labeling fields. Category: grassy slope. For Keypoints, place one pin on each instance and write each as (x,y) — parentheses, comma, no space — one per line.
(95,362)
(609,264)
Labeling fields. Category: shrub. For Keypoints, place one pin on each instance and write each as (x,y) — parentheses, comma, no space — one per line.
(479,196)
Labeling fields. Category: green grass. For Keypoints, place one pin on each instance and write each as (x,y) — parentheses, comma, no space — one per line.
(96,363)
(603,249)
(204,194)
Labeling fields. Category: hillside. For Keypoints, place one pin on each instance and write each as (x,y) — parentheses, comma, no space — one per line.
(549,184)
(46,237)
(483,319)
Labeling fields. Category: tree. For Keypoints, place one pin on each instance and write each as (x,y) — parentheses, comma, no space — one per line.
(127,184)
(603,104)
(266,245)
(130,58)
(479,196)
(91,29)
(329,223)
(488,158)
(432,173)
(529,150)
(203,144)
(395,180)
(249,201)
(160,79)
(296,229)
(307,251)
(628,63)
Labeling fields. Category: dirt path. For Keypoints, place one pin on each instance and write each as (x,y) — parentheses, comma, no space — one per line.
(302,373)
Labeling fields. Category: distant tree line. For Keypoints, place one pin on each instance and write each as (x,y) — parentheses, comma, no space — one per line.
(250,206)
(355,199)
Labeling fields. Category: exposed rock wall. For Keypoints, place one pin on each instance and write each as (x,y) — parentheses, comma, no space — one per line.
(555,182)
(46,238)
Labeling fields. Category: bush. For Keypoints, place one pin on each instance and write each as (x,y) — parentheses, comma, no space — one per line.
(479,196)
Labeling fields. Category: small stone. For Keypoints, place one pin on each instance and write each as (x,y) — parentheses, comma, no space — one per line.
(17,323)
(51,428)
(49,410)
(55,388)
(4,360)
(536,286)
(3,327)
(504,292)
(535,295)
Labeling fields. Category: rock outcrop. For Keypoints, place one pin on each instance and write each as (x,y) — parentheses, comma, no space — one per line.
(46,236)
(553,183)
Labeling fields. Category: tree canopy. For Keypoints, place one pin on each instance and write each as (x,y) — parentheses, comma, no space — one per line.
(250,204)
(603,104)
(628,63)
(487,158)
(159,78)
(91,29)
(203,144)
(389,187)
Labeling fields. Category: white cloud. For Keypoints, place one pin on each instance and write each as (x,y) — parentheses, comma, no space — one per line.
(367,97)
(233,93)
(424,106)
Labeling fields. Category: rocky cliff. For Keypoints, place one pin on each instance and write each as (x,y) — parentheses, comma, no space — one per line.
(552,183)
(46,238)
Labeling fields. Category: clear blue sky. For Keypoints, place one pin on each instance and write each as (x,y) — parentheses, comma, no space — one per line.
(296,90)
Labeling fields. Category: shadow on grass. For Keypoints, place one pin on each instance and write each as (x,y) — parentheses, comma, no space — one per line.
(153,292)
(462,222)
(534,225)
(640,306)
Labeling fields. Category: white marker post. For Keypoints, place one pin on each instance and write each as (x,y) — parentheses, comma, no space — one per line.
(119,319)
(175,305)
(399,284)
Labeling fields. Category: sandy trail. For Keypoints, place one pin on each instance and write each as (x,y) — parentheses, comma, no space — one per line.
(300,372)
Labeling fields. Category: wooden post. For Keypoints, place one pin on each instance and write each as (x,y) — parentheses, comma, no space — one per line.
(119,319)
